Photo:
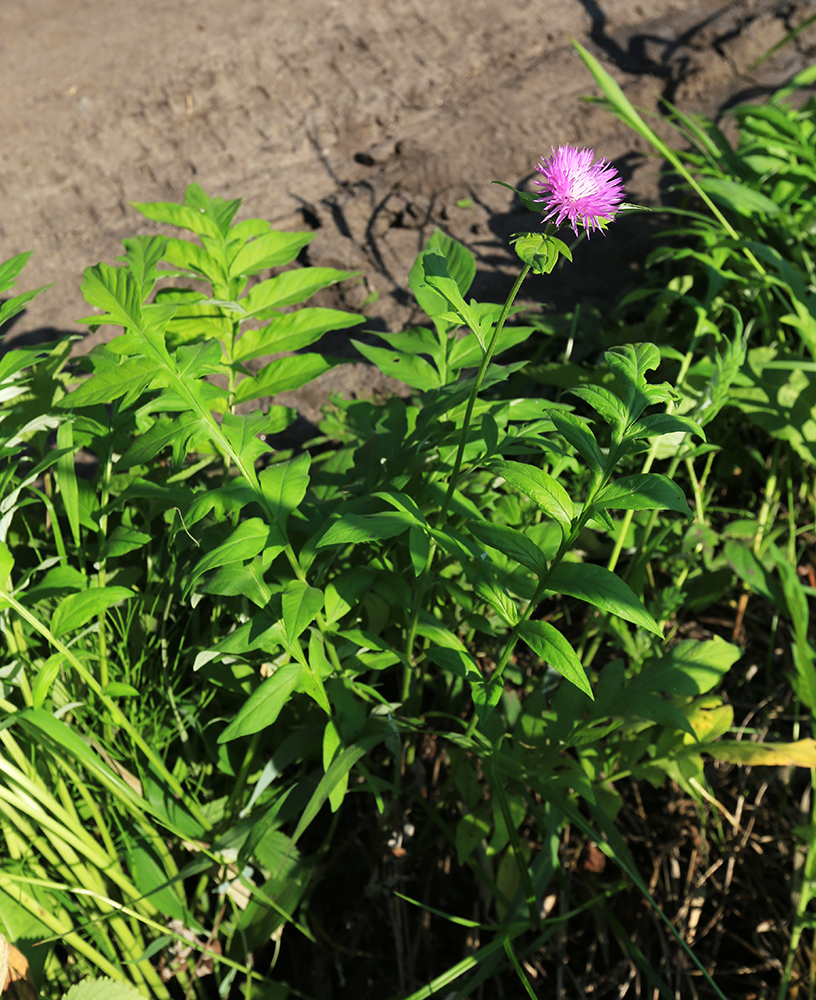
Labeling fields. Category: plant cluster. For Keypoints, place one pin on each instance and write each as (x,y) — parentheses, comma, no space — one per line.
(449,632)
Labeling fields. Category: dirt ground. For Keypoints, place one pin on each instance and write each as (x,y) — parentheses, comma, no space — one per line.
(364,119)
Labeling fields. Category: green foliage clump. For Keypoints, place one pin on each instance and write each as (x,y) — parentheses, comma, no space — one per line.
(222,654)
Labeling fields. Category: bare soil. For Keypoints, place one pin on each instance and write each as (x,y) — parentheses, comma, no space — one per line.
(366,120)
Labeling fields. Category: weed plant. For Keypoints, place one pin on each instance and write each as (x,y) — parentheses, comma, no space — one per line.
(419,658)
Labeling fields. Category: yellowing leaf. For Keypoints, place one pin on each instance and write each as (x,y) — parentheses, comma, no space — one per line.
(802,753)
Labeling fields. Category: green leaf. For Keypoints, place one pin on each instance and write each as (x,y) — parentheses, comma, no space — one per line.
(6,565)
(246,541)
(467,352)
(11,269)
(123,540)
(751,571)
(77,610)
(437,278)
(580,436)
(738,197)
(46,675)
(66,476)
(550,495)
(545,640)
(273,249)
(513,543)
(419,548)
(408,368)
(190,257)
(129,379)
(644,491)
(352,529)
(195,220)
(283,375)
(102,989)
(116,292)
(265,704)
(604,402)
(300,604)
(142,255)
(690,668)
(598,586)
(246,434)
(495,594)
(461,263)
(290,288)
(220,210)
(292,332)
(284,486)
(161,435)
(194,361)
(664,423)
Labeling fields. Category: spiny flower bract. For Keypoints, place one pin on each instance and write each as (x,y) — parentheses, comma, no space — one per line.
(575,188)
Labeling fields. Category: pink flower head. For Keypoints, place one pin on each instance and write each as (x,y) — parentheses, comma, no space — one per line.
(575,188)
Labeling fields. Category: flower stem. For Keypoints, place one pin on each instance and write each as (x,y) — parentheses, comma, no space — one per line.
(474,392)
(422,582)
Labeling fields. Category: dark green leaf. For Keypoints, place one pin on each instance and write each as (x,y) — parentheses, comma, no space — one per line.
(265,704)
(246,541)
(514,544)
(580,436)
(545,640)
(541,487)
(644,491)
(597,586)
(300,604)
(410,369)
(355,528)
(77,610)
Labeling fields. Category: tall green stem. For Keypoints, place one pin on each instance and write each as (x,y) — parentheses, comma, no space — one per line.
(422,582)
(487,357)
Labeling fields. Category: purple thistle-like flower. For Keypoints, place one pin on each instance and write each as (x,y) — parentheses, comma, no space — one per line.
(575,188)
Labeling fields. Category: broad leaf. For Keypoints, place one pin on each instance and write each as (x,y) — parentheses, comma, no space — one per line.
(273,249)
(116,292)
(513,543)
(129,379)
(292,332)
(597,586)
(408,368)
(265,704)
(290,288)
(283,375)
(246,541)
(351,529)
(300,605)
(284,486)
(644,491)
(552,647)
(541,487)
(77,610)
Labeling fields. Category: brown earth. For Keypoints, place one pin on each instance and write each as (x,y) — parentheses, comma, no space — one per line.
(364,119)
